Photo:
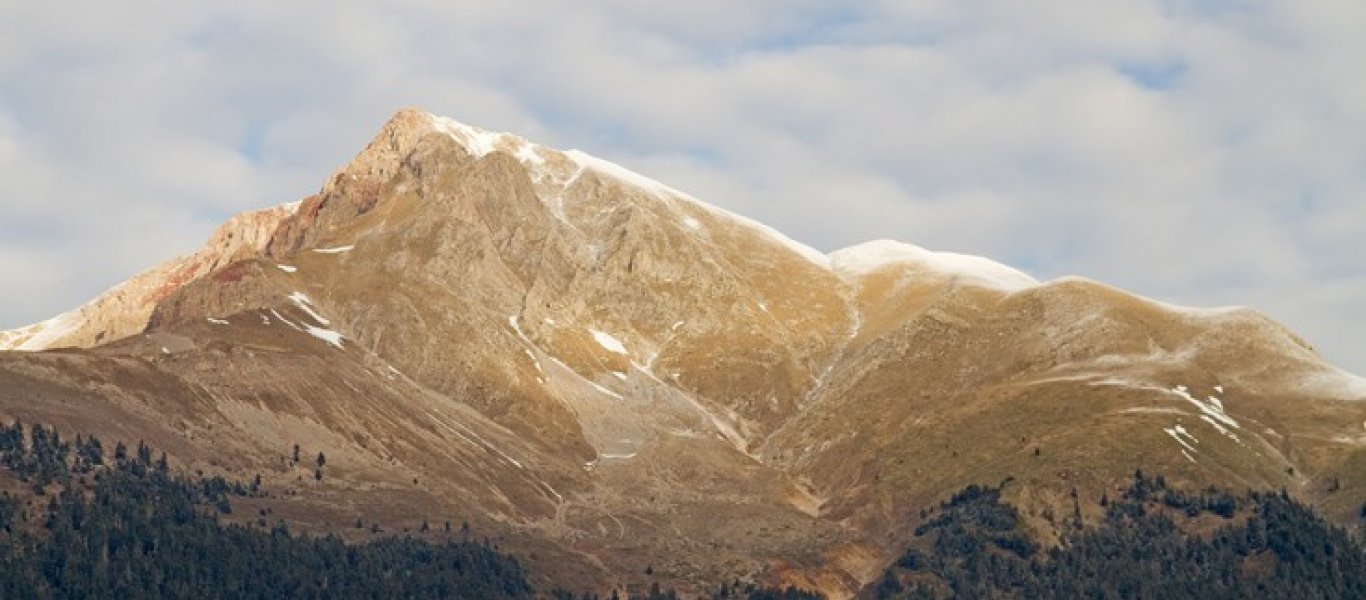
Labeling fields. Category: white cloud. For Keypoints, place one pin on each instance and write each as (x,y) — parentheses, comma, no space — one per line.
(1197,152)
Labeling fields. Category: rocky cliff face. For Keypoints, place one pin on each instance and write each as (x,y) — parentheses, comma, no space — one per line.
(124,310)
(618,375)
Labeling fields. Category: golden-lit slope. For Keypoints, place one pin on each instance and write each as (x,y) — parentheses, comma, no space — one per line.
(614,375)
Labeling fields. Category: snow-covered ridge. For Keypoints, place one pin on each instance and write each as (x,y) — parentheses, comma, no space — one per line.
(642,182)
(855,260)
(868,257)
(479,142)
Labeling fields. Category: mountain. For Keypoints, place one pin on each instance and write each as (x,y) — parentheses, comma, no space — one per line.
(625,384)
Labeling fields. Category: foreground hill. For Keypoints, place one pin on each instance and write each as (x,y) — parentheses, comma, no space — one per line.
(624,379)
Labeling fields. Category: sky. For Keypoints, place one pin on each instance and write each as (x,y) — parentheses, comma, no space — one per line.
(1197,152)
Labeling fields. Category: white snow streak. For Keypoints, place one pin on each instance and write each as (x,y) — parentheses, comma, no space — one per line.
(606,340)
(602,389)
(1213,408)
(335,249)
(1179,433)
(645,184)
(284,320)
(330,336)
(1157,410)
(533,360)
(327,335)
(470,436)
(476,141)
(287,268)
(305,304)
(217,321)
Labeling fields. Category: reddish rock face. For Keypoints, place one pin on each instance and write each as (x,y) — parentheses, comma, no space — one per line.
(125,309)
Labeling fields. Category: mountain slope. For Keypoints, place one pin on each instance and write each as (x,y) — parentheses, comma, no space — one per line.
(621,376)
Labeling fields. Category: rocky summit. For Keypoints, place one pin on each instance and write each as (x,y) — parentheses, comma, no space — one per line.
(621,383)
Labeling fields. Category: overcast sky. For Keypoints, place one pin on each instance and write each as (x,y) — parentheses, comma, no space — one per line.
(1201,153)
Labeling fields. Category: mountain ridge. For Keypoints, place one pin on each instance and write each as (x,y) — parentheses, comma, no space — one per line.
(621,376)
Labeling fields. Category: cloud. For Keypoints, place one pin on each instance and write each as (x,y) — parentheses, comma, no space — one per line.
(1201,153)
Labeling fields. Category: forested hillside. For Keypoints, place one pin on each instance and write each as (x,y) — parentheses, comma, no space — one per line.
(1266,545)
(96,523)
(121,525)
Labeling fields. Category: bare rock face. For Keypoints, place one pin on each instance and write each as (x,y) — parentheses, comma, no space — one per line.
(615,375)
(125,309)
(355,189)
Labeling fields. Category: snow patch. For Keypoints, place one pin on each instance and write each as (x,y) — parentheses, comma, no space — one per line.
(287,268)
(1213,408)
(217,321)
(330,336)
(1153,410)
(284,320)
(1179,433)
(533,360)
(305,304)
(607,341)
(1182,430)
(1212,412)
(327,335)
(863,259)
(692,223)
(476,141)
(335,249)
(527,154)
